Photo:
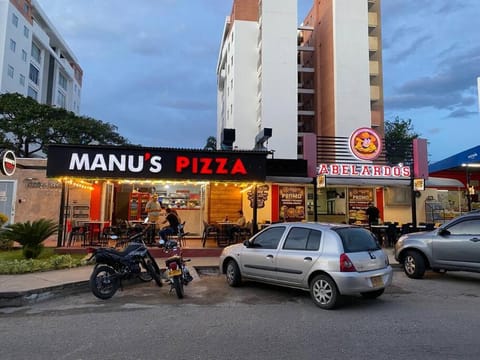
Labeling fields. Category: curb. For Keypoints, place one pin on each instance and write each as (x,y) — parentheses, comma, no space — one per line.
(29,297)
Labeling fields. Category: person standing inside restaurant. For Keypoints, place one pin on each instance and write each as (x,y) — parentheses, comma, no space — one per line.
(373,213)
(153,209)
(171,228)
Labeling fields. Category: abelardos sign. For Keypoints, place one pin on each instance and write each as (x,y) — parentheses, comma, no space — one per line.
(153,163)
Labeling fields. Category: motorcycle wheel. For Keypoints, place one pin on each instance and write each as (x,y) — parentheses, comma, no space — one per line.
(103,282)
(145,276)
(153,269)
(178,285)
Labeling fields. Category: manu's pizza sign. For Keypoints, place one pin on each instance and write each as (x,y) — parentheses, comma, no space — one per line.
(154,163)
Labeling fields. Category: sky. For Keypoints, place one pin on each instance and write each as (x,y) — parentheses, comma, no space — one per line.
(150,66)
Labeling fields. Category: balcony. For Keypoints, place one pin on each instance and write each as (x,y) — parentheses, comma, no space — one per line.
(372,19)
(374,67)
(301,90)
(374,93)
(306,112)
(305,48)
(373,43)
(302,68)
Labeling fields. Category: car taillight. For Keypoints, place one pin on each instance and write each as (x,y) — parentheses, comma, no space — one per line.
(346,264)
(173,266)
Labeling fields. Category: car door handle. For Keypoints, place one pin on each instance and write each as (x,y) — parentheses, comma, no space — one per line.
(475,239)
(269,257)
(308,258)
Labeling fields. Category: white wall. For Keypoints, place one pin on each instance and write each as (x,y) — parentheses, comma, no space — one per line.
(279,76)
(351,57)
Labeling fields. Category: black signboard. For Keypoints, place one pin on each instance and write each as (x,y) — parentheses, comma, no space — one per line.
(112,162)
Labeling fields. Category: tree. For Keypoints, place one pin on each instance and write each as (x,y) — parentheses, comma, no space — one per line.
(211,143)
(399,136)
(27,127)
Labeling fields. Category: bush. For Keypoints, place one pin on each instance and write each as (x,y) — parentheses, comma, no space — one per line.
(30,235)
(55,262)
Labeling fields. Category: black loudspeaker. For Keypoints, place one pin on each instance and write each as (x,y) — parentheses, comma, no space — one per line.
(228,138)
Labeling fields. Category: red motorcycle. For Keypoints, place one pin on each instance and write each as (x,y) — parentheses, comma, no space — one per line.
(176,271)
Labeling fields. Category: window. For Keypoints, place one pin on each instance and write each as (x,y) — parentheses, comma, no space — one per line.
(10,71)
(26,31)
(468,227)
(14,20)
(61,99)
(24,55)
(22,79)
(34,74)
(303,239)
(357,239)
(36,52)
(62,81)
(13,45)
(26,8)
(270,238)
(32,93)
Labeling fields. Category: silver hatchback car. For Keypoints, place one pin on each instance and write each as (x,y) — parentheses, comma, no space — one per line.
(328,260)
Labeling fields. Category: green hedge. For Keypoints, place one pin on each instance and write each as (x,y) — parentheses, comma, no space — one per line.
(55,262)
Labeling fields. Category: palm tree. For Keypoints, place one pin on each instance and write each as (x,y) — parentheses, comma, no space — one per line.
(30,235)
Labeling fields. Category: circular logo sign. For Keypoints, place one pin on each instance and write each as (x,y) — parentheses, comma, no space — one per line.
(365,144)
(9,162)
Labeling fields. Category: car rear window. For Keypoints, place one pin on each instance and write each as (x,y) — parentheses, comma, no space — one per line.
(302,239)
(357,239)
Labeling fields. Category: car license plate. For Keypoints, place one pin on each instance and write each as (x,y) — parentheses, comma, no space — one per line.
(377,281)
(172,273)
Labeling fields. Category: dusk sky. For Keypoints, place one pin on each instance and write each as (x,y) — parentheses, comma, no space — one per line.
(149,66)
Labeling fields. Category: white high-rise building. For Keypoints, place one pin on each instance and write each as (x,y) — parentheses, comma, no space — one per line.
(257,76)
(34,59)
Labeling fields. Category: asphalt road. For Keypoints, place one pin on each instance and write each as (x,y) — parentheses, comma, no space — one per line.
(433,318)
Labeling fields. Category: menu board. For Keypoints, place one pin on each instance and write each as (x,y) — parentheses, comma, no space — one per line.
(358,199)
(292,203)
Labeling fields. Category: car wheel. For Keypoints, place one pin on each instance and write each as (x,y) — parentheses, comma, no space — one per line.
(372,294)
(324,292)
(233,274)
(414,265)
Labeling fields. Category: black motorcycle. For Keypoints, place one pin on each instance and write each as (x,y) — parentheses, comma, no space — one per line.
(176,271)
(113,266)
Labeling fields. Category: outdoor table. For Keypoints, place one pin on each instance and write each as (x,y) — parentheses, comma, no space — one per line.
(225,228)
(94,230)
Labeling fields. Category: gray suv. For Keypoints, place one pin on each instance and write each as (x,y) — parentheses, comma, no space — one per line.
(328,260)
(455,246)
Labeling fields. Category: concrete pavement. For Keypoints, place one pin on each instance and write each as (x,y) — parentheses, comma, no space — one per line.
(24,289)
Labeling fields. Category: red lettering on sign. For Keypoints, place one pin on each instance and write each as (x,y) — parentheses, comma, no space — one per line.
(182,163)
(221,166)
(206,166)
(238,168)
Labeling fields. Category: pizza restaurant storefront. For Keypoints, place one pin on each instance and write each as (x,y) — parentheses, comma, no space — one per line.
(108,184)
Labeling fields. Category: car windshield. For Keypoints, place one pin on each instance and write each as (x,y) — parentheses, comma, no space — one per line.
(357,239)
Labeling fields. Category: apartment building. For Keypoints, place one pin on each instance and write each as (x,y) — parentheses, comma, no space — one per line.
(34,59)
(340,68)
(338,73)
(257,77)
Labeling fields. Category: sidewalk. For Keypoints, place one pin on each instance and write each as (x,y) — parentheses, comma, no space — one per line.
(20,290)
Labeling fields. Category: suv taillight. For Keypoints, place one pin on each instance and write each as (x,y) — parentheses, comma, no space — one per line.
(346,264)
